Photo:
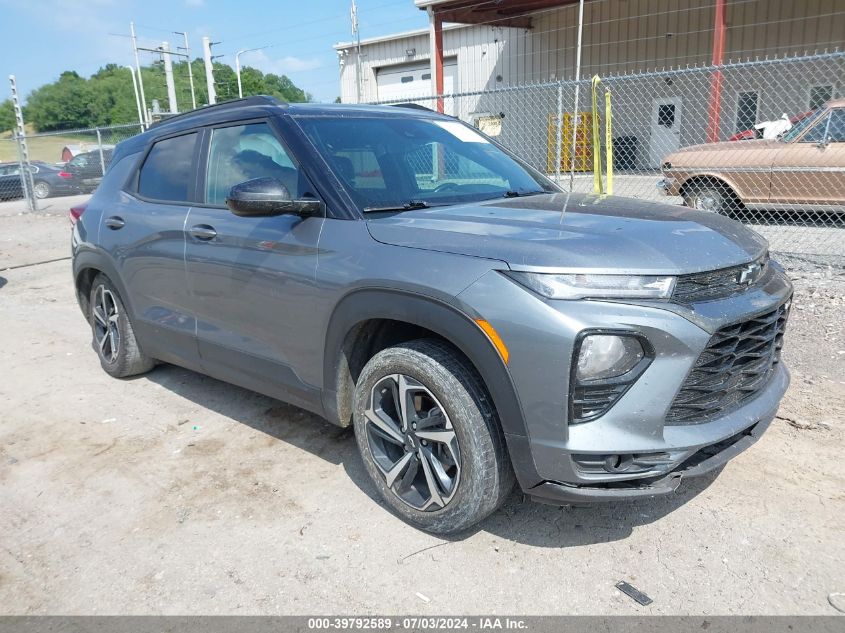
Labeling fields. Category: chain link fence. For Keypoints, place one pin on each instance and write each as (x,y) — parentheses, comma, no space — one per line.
(65,162)
(762,141)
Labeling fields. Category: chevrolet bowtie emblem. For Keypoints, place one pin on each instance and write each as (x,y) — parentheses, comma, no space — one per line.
(748,275)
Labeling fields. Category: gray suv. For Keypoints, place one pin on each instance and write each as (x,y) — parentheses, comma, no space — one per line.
(395,270)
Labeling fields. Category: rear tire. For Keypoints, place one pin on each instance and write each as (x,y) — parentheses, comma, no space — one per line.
(113,336)
(441,464)
(42,190)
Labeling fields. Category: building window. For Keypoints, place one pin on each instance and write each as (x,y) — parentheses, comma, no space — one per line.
(820,95)
(746,111)
(426,76)
(407,79)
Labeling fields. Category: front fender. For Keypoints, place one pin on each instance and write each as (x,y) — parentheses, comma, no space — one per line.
(454,324)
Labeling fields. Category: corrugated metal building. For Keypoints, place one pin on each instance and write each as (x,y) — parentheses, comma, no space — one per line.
(502,43)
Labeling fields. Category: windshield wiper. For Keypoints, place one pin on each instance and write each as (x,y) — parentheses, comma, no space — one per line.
(522,194)
(411,205)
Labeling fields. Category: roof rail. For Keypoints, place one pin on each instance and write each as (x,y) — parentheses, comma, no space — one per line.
(225,105)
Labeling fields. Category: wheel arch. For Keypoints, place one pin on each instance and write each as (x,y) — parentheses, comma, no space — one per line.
(708,178)
(354,336)
(86,266)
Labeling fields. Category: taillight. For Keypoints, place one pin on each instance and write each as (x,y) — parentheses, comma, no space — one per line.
(76,213)
(65,175)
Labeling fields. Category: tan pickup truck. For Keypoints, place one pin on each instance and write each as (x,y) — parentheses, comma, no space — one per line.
(802,169)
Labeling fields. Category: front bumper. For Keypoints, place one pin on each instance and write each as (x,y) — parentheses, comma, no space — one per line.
(552,459)
(700,461)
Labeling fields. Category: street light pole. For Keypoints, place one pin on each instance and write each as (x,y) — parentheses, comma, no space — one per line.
(137,97)
(238,66)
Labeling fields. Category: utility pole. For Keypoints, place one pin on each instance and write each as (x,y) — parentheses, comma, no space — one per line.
(137,97)
(209,70)
(138,68)
(23,152)
(173,107)
(356,35)
(190,72)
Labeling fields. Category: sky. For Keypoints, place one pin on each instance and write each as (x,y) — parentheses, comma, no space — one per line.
(39,39)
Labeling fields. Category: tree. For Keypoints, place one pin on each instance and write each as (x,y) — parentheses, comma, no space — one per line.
(108,98)
(7,115)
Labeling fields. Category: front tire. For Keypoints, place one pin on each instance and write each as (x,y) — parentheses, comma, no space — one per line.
(113,336)
(712,197)
(430,437)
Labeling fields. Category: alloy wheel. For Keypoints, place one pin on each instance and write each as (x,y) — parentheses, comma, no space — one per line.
(413,443)
(106,317)
(42,190)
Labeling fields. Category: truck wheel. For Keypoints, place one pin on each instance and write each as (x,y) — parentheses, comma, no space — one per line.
(430,437)
(113,336)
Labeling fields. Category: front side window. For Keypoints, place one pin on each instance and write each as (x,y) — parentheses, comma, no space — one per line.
(836,127)
(167,172)
(246,152)
(387,161)
(816,133)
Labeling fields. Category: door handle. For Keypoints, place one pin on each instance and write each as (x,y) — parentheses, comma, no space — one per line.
(115,222)
(203,232)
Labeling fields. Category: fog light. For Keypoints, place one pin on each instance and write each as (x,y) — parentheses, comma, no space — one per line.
(607,356)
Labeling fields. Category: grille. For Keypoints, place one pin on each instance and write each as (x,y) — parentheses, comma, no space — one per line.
(718,284)
(737,363)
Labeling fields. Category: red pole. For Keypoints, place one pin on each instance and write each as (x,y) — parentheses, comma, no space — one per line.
(714,109)
(438,60)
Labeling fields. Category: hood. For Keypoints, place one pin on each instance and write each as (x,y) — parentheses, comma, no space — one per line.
(726,153)
(576,231)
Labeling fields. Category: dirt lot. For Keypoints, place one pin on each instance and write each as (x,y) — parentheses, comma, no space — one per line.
(174,493)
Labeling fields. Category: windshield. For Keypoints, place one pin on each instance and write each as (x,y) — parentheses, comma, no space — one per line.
(389,162)
(799,127)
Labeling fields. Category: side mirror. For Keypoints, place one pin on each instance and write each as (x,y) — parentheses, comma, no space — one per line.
(265,197)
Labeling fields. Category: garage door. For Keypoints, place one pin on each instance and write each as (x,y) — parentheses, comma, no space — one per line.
(412,81)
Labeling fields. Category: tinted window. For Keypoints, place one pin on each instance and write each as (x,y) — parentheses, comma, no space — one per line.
(245,152)
(166,174)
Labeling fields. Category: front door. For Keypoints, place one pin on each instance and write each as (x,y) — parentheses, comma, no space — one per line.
(250,278)
(665,129)
(810,171)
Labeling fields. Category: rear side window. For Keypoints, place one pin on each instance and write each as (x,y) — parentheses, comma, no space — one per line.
(166,174)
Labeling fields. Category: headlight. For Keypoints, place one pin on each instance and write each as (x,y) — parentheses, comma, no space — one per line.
(607,356)
(582,286)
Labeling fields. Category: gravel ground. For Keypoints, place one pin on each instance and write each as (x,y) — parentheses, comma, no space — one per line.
(173,493)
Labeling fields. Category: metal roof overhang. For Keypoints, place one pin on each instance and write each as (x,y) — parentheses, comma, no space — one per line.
(515,13)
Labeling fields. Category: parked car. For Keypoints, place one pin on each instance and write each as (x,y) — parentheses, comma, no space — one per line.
(86,170)
(10,181)
(47,180)
(747,135)
(476,326)
(51,180)
(803,169)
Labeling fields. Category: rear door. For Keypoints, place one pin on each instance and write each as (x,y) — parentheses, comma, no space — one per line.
(810,172)
(251,278)
(143,229)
